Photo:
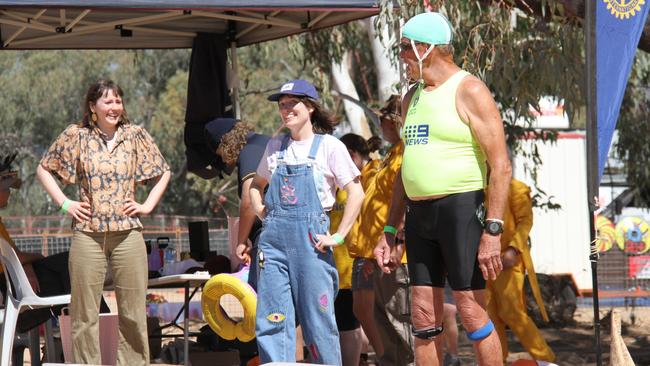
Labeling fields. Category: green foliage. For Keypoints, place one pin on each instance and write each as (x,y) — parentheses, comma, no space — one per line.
(633,129)
(521,58)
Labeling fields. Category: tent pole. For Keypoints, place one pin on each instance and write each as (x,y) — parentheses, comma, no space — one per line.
(592,160)
(235,80)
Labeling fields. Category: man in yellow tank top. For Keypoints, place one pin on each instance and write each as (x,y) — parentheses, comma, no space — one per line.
(452,131)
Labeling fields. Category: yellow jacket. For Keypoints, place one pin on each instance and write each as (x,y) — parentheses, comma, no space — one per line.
(518,221)
(342,259)
(369,226)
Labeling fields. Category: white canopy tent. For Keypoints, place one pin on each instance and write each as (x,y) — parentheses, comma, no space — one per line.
(124,24)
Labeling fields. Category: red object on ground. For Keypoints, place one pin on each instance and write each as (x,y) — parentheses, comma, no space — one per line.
(524,362)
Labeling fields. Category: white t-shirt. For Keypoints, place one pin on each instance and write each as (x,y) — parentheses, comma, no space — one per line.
(332,165)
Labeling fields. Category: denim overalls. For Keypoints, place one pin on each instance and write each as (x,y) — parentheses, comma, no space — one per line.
(295,279)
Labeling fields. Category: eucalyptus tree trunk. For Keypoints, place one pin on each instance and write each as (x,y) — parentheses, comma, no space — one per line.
(342,81)
(386,70)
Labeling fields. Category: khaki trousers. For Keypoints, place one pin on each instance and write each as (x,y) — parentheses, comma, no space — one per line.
(90,255)
(393,316)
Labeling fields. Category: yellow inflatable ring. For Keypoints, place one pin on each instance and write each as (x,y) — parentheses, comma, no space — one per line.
(234,284)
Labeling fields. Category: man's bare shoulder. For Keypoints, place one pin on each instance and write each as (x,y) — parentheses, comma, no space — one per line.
(474,99)
(472,87)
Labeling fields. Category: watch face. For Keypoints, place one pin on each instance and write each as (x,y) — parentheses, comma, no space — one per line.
(493,227)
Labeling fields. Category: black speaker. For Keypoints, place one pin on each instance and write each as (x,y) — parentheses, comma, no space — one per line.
(199,240)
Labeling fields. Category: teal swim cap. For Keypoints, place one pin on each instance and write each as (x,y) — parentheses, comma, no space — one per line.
(431,28)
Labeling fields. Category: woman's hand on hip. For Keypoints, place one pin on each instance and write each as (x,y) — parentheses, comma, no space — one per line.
(80,211)
(132,208)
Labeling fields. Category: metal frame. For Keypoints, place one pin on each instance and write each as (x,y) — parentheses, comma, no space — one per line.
(126,25)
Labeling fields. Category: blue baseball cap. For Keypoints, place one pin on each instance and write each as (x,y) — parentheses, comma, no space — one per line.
(299,87)
(432,28)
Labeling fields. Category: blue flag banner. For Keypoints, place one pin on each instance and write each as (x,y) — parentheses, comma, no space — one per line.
(619,24)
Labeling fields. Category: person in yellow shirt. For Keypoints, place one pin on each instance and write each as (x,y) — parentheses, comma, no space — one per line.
(506,302)
(387,294)
(351,336)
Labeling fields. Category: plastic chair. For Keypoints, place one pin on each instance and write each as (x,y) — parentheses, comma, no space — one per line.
(20,295)
(29,340)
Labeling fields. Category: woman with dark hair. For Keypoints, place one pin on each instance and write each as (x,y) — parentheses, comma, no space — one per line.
(297,275)
(360,149)
(106,156)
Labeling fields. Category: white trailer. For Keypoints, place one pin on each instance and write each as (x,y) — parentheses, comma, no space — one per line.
(560,238)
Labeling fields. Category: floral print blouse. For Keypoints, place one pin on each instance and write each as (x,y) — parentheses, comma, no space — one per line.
(106,179)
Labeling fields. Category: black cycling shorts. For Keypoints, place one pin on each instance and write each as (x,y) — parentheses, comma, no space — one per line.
(442,239)
(345,319)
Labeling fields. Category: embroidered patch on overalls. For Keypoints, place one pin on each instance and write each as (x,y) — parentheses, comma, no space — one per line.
(323,303)
(276,317)
(288,194)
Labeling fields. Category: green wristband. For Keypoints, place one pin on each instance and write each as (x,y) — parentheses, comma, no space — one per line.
(65,205)
(338,238)
(390,229)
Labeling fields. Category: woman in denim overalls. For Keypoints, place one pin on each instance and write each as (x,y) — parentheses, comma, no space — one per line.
(297,276)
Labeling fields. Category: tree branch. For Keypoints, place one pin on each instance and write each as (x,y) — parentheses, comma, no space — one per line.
(572,9)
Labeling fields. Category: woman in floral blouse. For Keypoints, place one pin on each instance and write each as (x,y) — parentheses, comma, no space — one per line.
(106,156)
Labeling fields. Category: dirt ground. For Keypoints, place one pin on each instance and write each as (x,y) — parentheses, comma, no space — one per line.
(575,345)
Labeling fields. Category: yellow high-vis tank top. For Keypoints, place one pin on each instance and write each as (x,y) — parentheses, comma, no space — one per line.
(369,227)
(342,258)
(441,156)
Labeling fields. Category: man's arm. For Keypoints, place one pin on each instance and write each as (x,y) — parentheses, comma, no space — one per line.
(246,213)
(257,196)
(387,254)
(246,220)
(476,106)
(385,251)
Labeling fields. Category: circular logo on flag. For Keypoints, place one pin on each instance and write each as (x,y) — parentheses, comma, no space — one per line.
(624,9)
(632,235)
